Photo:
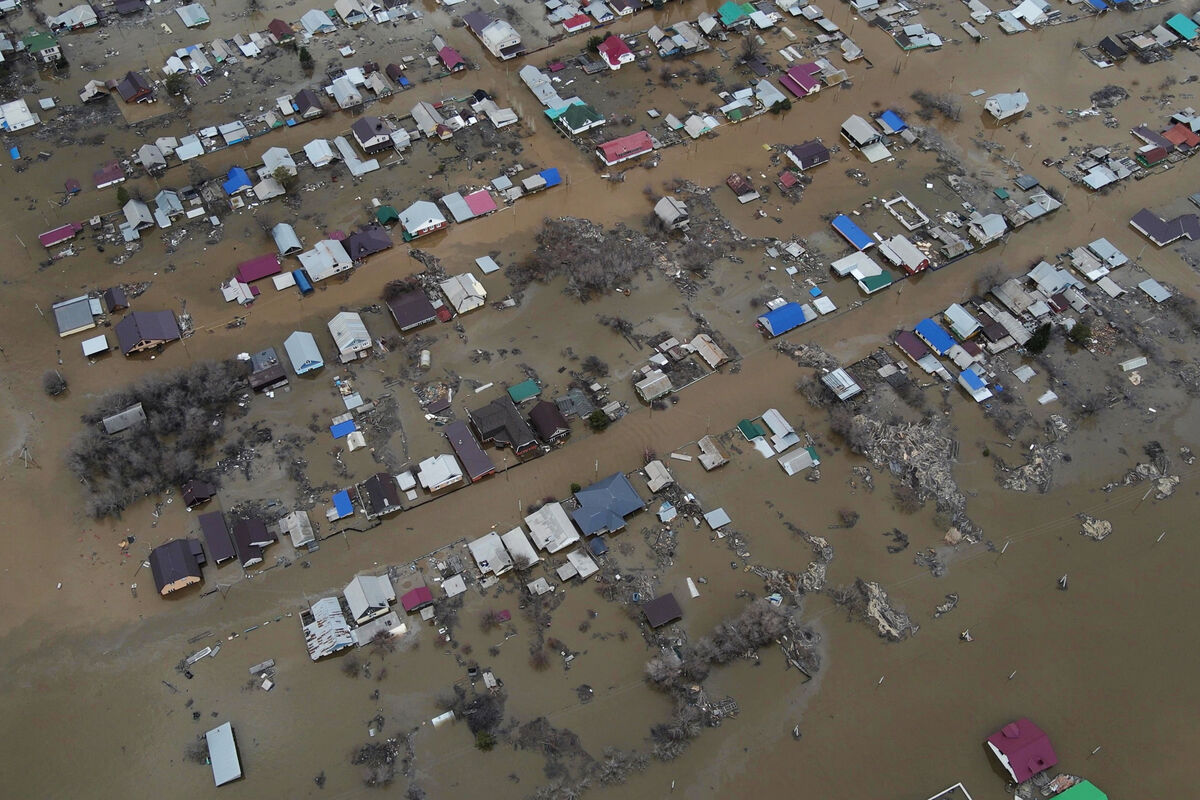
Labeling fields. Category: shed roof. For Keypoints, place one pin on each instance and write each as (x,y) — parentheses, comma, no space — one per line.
(223,755)
(662,610)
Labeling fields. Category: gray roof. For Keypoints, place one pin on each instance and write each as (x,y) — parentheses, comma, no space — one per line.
(286,240)
(368,241)
(500,422)
(222,752)
(303,352)
(604,505)
(74,314)
(124,420)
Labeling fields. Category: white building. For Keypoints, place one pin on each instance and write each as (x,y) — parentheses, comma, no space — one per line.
(490,554)
(328,632)
(368,597)
(439,472)
(350,334)
(550,528)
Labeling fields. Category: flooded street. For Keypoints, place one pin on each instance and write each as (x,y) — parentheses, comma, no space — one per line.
(90,667)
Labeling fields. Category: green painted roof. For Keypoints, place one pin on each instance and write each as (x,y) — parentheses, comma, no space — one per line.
(750,430)
(524,391)
(385,214)
(577,115)
(812,451)
(874,283)
(38,41)
(1084,790)
(731,12)
(1183,26)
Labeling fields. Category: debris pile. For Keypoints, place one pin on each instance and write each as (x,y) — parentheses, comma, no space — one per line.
(1036,473)
(868,600)
(1094,528)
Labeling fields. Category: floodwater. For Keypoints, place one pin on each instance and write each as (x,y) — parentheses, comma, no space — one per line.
(1106,664)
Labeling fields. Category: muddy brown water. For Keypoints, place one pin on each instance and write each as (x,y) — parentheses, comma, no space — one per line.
(1106,664)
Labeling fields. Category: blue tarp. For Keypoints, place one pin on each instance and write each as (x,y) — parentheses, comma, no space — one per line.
(14,152)
(237,180)
(342,504)
(851,232)
(551,177)
(935,336)
(893,121)
(1099,5)
(814,291)
(343,429)
(783,319)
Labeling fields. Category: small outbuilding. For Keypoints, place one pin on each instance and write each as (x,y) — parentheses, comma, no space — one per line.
(662,610)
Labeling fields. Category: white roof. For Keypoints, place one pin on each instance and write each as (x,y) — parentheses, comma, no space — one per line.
(717,518)
(192,15)
(315,21)
(1107,253)
(328,632)
(517,544)
(796,461)
(94,345)
(961,322)
(349,331)
(286,240)
(657,476)
(368,596)
(550,528)
(464,292)
(1158,293)
(583,564)
(222,753)
(302,351)
(421,215)
(490,554)
(328,257)
(1006,104)
(298,527)
(438,471)
(858,265)
(319,152)
(859,130)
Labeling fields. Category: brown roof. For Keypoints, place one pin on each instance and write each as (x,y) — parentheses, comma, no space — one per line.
(662,610)
(548,421)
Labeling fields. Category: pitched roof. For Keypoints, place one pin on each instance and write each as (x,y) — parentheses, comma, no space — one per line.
(216,535)
(500,422)
(412,309)
(367,241)
(1023,748)
(604,505)
(146,326)
(174,565)
(547,420)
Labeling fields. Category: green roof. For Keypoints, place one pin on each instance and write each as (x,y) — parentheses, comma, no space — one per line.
(38,41)
(812,451)
(1002,193)
(731,12)
(1183,26)
(524,391)
(750,430)
(578,115)
(386,214)
(873,283)
(1084,790)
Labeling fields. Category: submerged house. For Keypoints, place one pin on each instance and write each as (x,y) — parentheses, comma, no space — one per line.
(604,505)
(497,35)
(500,423)
(1023,749)
(144,330)
(350,334)
(368,597)
(303,352)
(325,629)
(412,310)
(1006,105)
(176,565)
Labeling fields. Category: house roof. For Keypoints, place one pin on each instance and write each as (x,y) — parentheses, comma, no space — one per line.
(368,596)
(416,598)
(934,335)
(133,86)
(662,610)
(451,58)
(259,267)
(550,528)
(783,319)
(280,30)
(626,146)
(307,99)
(197,491)
(216,536)
(467,449)
(500,422)
(421,215)
(174,565)
(480,202)
(810,153)
(124,420)
(524,390)
(1023,748)
(547,420)
(302,350)
(367,241)
(614,50)
(367,128)
(146,326)
(1084,790)
(604,505)
(383,494)
(412,309)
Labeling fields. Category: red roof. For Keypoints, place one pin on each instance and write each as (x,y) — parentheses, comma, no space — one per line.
(787,179)
(60,234)
(260,267)
(1181,135)
(615,51)
(801,79)
(480,202)
(577,22)
(451,58)
(108,174)
(1023,748)
(421,596)
(635,144)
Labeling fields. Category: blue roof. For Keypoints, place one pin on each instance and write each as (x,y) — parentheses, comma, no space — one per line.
(1099,5)
(551,177)
(972,380)
(341,502)
(851,232)
(814,291)
(1183,26)
(783,319)
(893,120)
(604,505)
(343,429)
(935,336)
(238,180)
(597,546)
